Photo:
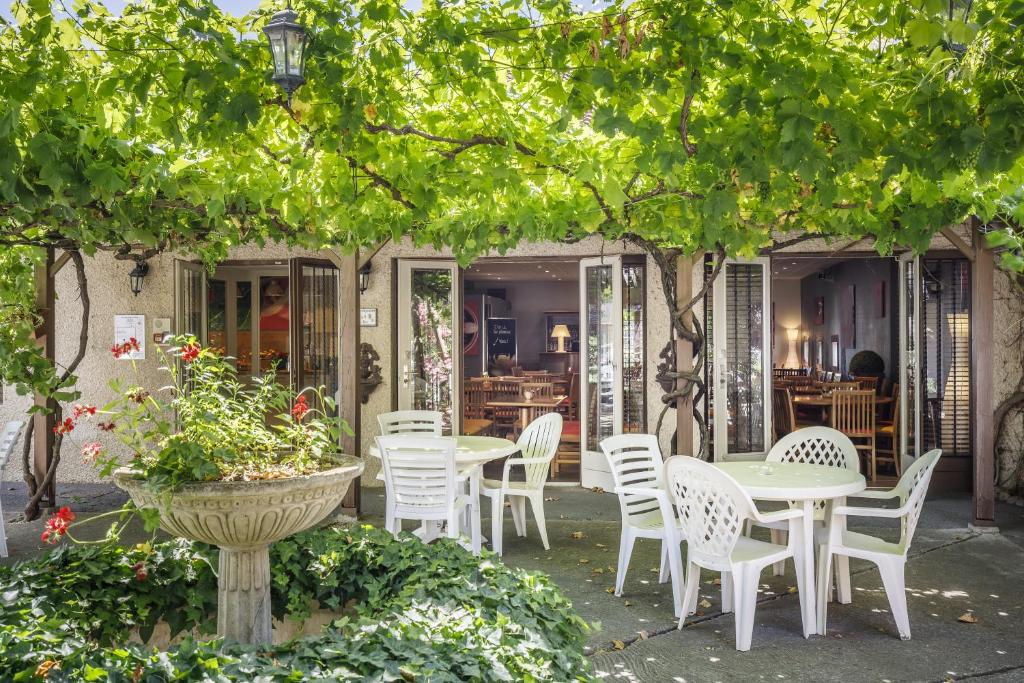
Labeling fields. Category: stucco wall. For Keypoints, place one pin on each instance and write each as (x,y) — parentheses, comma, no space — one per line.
(1009,368)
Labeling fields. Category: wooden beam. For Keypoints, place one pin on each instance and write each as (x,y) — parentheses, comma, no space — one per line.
(966,249)
(350,404)
(684,355)
(42,430)
(59,263)
(982,376)
(369,254)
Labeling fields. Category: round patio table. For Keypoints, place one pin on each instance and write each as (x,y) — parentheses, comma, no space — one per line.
(800,484)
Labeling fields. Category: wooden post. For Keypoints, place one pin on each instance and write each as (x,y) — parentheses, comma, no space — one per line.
(348,363)
(684,357)
(982,352)
(42,429)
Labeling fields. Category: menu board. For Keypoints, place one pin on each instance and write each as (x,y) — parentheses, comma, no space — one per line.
(501,337)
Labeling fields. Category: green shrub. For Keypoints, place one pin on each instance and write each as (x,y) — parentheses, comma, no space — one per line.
(866,364)
(414,612)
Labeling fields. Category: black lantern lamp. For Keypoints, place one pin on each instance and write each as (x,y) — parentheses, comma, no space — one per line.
(287,40)
(138,274)
(364,277)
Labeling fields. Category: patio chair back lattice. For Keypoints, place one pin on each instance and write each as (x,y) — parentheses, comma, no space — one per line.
(423,422)
(713,510)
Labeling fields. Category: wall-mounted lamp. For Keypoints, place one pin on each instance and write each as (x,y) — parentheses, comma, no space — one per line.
(364,277)
(138,274)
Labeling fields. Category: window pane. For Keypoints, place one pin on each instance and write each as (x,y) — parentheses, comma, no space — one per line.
(274,323)
(745,357)
(243,332)
(633,407)
(431,356)
(600,365)
(216,316)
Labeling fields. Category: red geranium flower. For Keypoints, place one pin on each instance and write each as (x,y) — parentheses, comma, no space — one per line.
(82,410)
(57,525)
(106,426)
(300,408)
(64,427)
(190,352)
(125,348)
(141,573)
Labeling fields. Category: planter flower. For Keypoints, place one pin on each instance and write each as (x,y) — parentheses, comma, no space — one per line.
(235,465)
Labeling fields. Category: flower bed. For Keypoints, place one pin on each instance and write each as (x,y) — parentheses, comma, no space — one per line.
(412,612)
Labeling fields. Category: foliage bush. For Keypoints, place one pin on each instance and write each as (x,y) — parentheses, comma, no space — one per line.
(866,364)
(413,612)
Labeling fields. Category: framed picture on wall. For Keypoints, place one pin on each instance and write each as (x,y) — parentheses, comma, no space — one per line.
(819,310)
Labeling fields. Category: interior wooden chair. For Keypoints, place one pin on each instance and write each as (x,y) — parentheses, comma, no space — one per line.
(867,383)
(539,389)
(853,414)
(569,447)
(475,405)
(889,433)
(784,420)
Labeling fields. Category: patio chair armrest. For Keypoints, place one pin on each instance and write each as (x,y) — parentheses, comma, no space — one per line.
(778,516)
(518,461)
(648,491)
(877,494)
(848,511)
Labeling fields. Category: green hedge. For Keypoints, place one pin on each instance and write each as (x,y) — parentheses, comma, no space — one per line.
(414,613)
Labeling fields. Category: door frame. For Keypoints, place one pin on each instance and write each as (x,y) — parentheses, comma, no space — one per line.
(719,341)
(910,367)
(403,328)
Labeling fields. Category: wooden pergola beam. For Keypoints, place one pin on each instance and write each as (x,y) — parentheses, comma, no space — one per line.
(369,254)
(983,379)
(684,353)
(350,404)
(42,429)
(966,249)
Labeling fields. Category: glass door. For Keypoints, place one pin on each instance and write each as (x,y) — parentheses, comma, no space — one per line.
(742,360)
(191,309)
(317,328)
(910,357)
(601,363)
(429,362)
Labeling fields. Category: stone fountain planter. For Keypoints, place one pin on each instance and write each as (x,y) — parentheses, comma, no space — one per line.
(243,518)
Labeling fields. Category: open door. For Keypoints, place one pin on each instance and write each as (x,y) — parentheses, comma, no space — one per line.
(190,315)
(742,360)
(316,328)
(910,357)
(601,364)
(429,339)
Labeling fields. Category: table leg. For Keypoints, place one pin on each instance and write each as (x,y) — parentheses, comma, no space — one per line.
(806,571)
(524,416)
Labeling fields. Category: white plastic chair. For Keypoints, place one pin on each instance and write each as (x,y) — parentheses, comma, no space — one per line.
(420,479)
(422,422)
(12,430)
(537,446)
(646,509)
(890,558)
(712,510)
(814,446)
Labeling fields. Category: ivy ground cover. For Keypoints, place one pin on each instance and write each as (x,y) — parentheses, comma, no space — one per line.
(412,613)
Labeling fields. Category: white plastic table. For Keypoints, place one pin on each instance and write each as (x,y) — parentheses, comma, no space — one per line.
(803,484)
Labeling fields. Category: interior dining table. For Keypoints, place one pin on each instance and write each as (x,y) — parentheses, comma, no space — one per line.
(824,402)
(528,408)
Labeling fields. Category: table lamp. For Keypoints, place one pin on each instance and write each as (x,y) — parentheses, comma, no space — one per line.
(561,333)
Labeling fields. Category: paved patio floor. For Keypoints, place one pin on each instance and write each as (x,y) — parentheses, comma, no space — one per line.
(952,571)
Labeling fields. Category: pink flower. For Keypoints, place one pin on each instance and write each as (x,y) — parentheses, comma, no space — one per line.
(91,451)
(57,525)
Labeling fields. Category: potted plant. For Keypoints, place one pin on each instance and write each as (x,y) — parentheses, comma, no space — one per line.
(236,465)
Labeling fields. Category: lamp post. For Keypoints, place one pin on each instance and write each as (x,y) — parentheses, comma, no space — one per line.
(287,40)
